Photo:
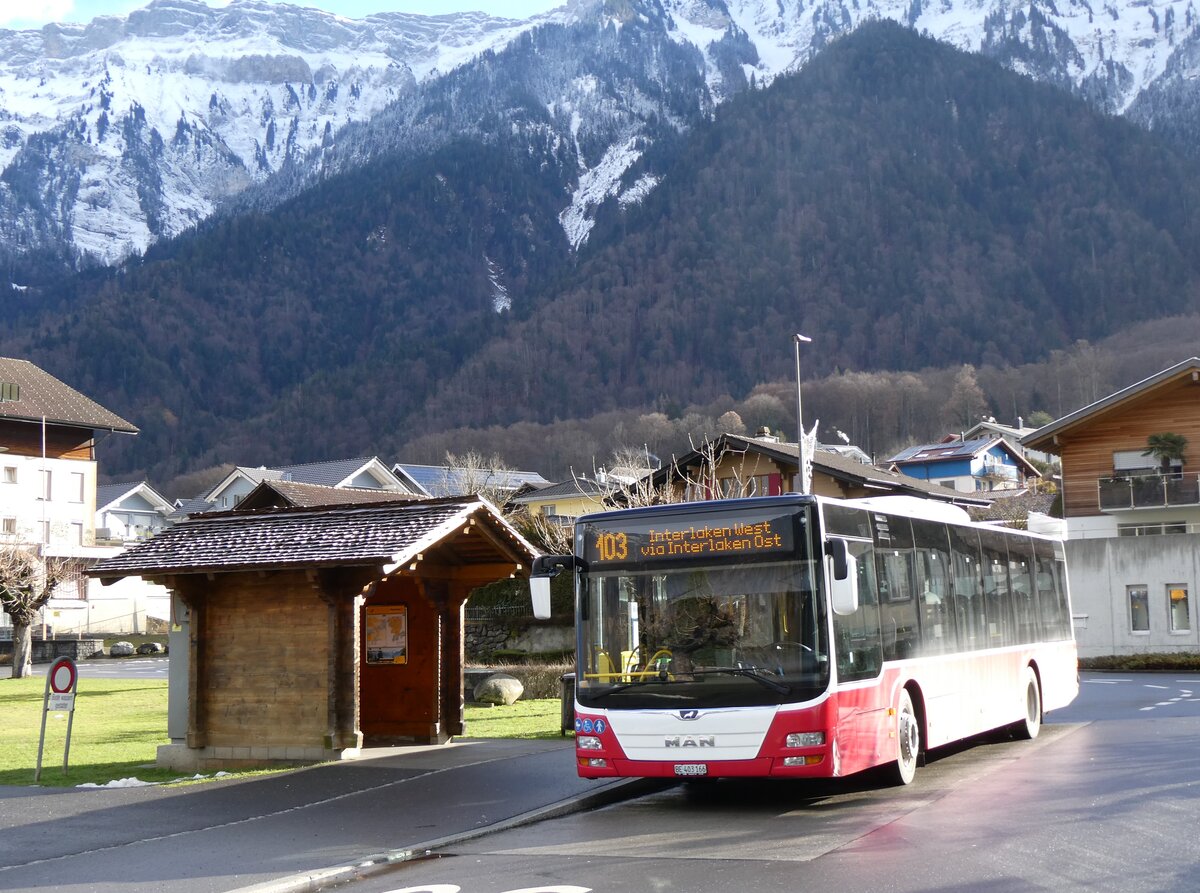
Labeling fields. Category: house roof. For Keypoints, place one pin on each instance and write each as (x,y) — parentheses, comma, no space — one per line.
(291,494)
(929,453)
(1015,507)
(331,473)
(947,451)
(41,395)
(437,480)
(835,466)
(326,474)
(981,428)
(1046,438)
(569,489)
(389,535)
(108,495)
(186,507)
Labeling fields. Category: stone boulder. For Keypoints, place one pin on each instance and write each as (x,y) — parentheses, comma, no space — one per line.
(499,688)
(121,649)
(150,648)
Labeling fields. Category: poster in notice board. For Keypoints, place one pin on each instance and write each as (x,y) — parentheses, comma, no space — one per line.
(387,634)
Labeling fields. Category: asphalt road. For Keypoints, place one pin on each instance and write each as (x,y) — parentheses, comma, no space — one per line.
(226,835)
(1107,798)
(115,668)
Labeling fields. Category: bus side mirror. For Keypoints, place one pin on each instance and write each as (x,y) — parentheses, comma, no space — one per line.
(841,570)
(539,593)
(546,568)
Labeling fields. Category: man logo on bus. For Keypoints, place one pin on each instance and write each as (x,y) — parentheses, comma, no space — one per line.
(689,714)
(690,741)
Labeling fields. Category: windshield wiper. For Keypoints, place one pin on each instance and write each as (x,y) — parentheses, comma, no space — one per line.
(621,686)
(748,672)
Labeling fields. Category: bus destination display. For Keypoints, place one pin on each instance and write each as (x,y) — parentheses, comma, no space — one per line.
(648,542)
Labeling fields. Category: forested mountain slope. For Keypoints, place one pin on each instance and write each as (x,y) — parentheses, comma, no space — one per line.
(903,204)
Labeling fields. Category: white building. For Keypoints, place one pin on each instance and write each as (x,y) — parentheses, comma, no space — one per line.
(48,436)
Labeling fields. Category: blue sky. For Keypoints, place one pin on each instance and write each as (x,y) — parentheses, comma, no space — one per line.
(21,14)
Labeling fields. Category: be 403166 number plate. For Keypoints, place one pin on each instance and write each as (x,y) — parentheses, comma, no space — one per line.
(691,769)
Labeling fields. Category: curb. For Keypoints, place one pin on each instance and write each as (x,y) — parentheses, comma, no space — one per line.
(313,881)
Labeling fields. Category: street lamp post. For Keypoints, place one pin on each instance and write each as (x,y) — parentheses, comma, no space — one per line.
(803,483)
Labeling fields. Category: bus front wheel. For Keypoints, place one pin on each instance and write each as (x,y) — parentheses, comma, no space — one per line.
(908,734)
(1029,727)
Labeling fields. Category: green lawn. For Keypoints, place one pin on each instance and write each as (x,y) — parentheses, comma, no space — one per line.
(524,719)
(118,726)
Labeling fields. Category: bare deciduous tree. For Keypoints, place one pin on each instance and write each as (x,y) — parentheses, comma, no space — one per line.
(474,474)
(551,535)
(26,584)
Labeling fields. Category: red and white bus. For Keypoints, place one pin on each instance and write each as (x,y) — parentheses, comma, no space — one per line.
(798,636)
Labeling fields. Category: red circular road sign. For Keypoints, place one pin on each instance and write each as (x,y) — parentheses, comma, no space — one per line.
(62,676)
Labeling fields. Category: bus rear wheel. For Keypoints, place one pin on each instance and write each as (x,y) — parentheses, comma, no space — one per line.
(1029,727)
(908,735)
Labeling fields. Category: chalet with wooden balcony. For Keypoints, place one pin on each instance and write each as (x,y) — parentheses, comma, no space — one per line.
(1112,484)
(1133,513)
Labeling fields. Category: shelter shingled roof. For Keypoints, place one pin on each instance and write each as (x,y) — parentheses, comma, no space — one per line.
(374,534)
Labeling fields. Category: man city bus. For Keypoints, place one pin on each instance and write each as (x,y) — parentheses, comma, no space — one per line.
(798,636)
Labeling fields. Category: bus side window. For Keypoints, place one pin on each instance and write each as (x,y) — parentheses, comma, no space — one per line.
(1052,603)
(898,611)
(1024,594)
(934,600)
(859,651)
(968,590)
(996,589)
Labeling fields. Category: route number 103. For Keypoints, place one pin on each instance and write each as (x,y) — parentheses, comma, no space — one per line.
(612,546)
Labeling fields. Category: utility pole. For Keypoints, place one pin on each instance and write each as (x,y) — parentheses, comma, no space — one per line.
(802,479)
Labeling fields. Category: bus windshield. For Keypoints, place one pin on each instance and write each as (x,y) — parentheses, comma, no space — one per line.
(702,636)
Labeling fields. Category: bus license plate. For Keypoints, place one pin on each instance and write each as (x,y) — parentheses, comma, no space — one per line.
(691,769)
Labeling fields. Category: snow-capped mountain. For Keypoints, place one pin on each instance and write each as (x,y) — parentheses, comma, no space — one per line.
(128,130)
(125,130)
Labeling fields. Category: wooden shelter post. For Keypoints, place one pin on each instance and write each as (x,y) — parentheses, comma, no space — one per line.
(342,592)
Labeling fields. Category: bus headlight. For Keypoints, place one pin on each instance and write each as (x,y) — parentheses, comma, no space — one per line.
(588,742)
(806,739)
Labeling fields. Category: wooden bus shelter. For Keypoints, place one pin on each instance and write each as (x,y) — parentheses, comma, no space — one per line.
(308,633)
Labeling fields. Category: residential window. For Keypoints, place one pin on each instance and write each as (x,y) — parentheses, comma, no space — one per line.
(549,510)
(1129,463)
(1139,608)
(1177,603)
(46,485)
(77,533)
(8,526)
(10,474)
(76,486)
(1166,527)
